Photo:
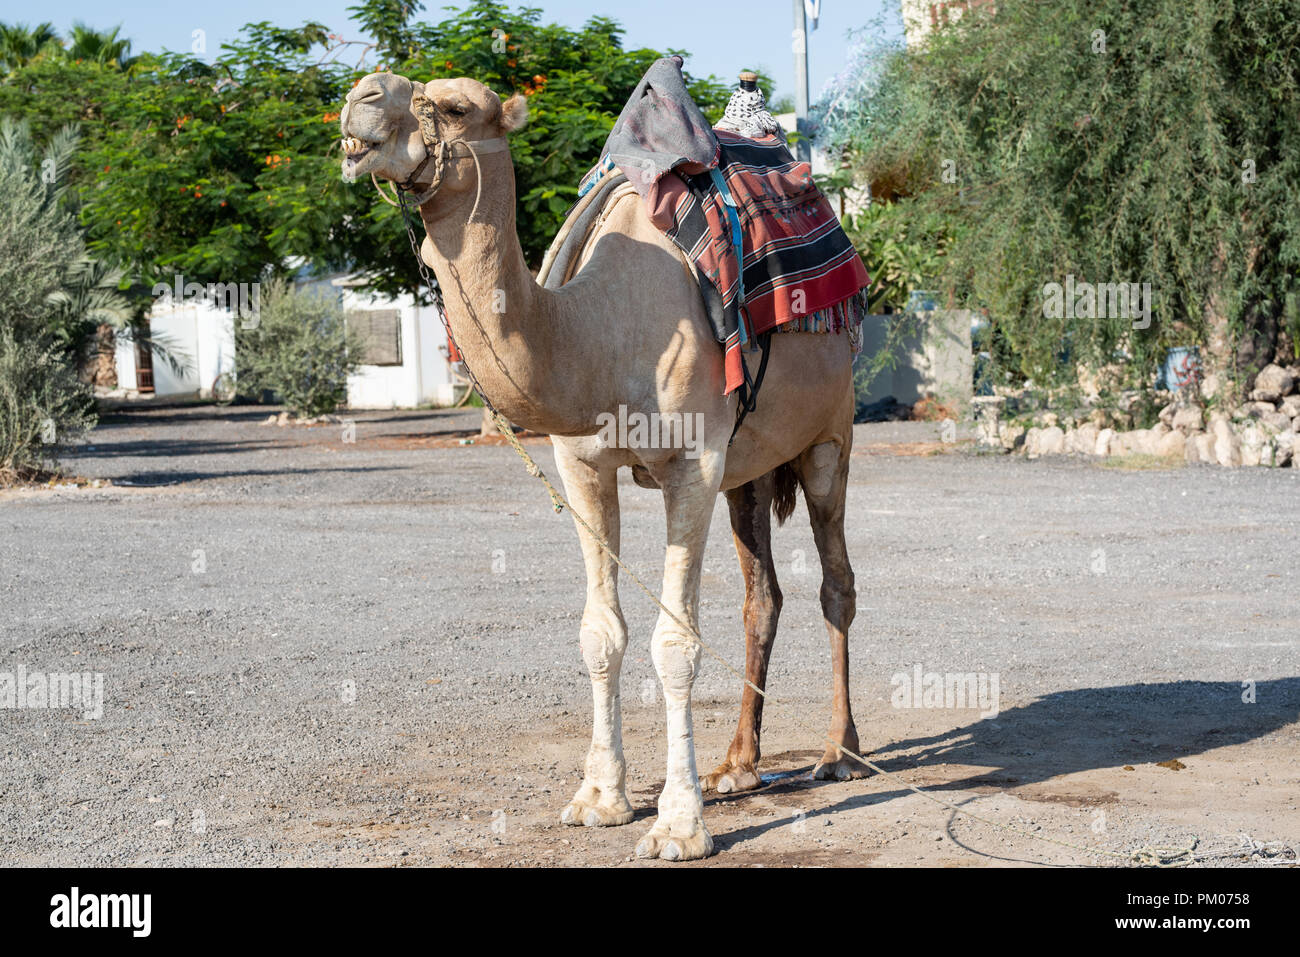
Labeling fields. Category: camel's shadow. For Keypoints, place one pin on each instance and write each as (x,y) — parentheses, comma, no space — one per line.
(1062,733)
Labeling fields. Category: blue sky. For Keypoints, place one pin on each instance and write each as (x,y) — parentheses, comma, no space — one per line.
(723,36)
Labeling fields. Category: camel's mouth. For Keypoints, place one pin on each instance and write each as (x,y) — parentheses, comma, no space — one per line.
(354,148)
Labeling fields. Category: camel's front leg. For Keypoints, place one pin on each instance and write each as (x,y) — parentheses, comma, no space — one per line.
(690,492)
(601,801)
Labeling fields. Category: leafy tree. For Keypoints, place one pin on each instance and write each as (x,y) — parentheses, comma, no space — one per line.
(43,404)
(218,171)
(100,46)
(1155,143)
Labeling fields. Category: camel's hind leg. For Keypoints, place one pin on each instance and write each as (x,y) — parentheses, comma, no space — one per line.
(751,526)
(824,472)
(602,798)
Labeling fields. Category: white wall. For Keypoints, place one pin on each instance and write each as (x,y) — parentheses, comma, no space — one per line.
(200,335)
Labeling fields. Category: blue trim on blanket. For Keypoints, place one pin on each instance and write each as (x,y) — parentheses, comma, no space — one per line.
(737,243)
(596,174)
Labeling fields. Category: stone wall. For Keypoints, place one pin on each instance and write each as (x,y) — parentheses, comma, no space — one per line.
(1263,431)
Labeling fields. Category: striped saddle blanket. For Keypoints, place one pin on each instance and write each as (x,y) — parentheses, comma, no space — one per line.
(800,270)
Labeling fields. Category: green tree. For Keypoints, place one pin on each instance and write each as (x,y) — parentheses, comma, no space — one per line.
(99,46)
(1155,143)
(219,170)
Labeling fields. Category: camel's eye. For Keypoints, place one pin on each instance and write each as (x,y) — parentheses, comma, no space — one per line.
(451,110)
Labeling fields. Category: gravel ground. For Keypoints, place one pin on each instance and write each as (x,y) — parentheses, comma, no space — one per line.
(365,653)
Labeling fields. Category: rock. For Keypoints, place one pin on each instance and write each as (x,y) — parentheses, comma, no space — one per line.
(1082,440)
(1172,445)
(1138,442)
(1286,443)
(1168,412)
(1045,420)
(270,419)
(1189,420)
(1227,446)
(1210,385)
(1257,410)
(1204,443)
(1104,439)
(1259,441)
(1048,441)
(1253,441)
(1272,383)
(1290,406)
(282,418)
(1011,435)
(1277,421)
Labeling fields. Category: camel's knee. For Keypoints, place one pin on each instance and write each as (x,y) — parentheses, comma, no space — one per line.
(676,656)
(839,599)
(762,607)
(820,466)
(603,639)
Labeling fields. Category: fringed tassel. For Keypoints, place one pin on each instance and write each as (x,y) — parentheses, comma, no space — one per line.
(847,314)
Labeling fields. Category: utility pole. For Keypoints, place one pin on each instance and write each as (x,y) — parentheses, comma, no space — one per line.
(803,149)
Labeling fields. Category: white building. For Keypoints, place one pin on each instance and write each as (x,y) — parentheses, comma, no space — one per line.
(198,333)
(845,202)
(405,345)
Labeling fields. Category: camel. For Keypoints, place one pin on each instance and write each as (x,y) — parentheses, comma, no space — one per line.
(629,331)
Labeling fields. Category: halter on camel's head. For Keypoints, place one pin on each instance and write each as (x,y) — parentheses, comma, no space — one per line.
(411,133)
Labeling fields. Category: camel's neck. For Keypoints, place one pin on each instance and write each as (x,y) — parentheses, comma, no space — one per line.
(515,336)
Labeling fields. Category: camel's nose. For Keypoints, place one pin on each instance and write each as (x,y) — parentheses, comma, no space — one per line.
(367,91)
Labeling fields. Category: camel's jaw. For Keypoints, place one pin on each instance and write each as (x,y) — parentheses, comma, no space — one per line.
(359,156)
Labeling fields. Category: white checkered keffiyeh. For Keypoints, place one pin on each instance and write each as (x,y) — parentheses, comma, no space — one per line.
(747,115)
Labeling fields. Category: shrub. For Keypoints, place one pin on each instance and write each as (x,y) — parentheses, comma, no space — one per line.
(300,349)
(43,405)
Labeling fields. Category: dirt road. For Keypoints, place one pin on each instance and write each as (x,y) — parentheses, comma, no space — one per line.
(365,653)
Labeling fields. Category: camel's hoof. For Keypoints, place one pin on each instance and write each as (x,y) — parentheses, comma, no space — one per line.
(685,842)
(596,815)
(728,779)
(833,767)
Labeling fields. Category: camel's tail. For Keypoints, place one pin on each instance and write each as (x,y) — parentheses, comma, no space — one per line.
(785,492)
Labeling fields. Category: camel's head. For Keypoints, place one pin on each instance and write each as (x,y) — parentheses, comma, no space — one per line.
(381,124)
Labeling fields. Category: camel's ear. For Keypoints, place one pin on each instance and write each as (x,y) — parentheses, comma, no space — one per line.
(514,113)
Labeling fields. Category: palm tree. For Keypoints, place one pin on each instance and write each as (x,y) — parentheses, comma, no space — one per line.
(99,46)
(20,44)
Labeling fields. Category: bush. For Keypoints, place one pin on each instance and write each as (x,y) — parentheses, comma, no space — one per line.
(1116,142)
(300,349)
(43,405)
(52,296)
